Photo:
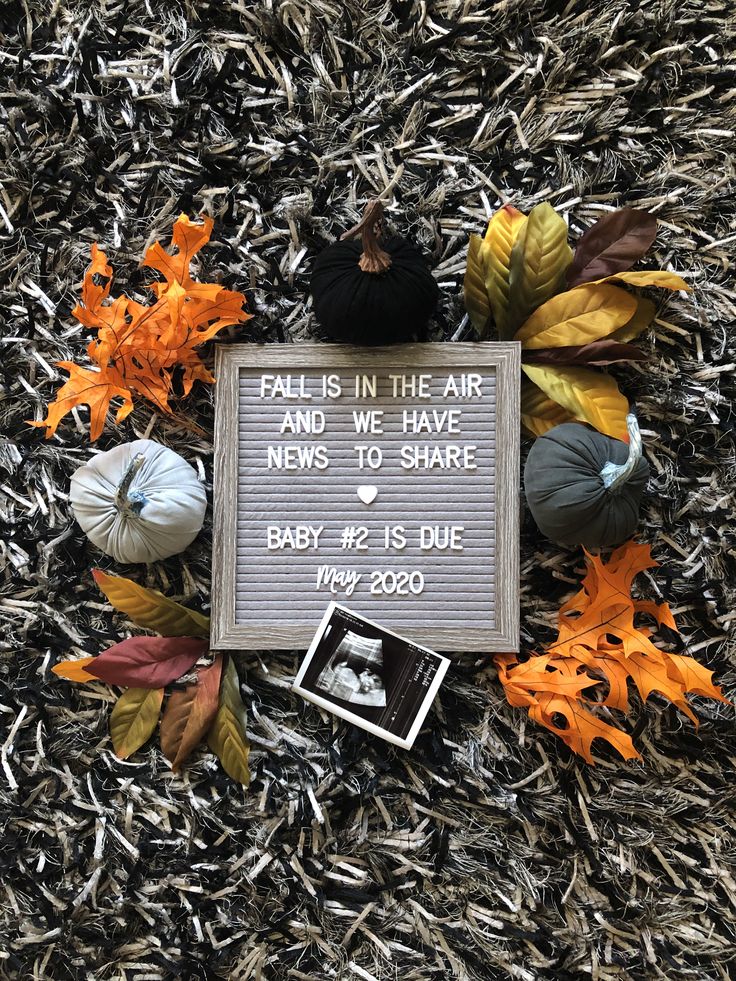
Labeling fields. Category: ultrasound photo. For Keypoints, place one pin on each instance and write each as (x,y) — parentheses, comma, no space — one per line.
(370,676)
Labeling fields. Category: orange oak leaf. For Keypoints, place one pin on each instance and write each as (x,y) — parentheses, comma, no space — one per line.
(87,387)
(605,607)
(140,348)
(95,287)
(694,677)
(607,664)
(600,651)
(580,726)
(188,238)
(543,673)
(74,670)
(651,676)
(193,370)
(658,611)
(516,694)
(111,322)
(209,309)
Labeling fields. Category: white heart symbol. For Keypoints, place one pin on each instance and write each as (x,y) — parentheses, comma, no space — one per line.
(367,493)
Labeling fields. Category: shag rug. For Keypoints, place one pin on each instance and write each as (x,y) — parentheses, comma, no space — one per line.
(489,851)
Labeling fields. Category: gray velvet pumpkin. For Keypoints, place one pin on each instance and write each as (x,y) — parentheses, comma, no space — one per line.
(584,488)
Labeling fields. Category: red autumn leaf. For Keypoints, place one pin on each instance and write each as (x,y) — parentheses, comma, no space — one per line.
(189,714)
(614,243)
(147,662)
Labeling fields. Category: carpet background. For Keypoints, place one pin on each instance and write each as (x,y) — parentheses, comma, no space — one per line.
(488,851)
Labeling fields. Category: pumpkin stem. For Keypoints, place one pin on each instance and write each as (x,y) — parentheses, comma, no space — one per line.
(374,259)
(615,475)
(130,503)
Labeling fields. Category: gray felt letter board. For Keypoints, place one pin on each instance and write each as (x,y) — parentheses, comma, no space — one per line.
(385,479)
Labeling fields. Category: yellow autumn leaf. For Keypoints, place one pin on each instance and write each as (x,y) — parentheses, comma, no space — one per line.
(74,670)
(577,316)
(647,277)
(495,253)
(134,718)
(474,289)
(591,396)
(643,316)
(538,412)
(227,738)
(539,260)
(151,609)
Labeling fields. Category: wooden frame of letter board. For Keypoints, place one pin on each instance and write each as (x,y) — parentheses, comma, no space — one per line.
(505,358)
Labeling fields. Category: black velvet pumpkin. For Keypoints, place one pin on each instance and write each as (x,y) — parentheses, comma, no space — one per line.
(372,291)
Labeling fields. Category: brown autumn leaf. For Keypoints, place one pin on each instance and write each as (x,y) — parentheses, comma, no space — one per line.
(189,714)
(597,353)
(613,244)
(601,651)
(139,346)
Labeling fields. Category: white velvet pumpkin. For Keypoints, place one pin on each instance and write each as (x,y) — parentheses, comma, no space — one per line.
(139,502)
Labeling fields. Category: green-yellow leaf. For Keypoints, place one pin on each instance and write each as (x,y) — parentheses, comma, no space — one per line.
(151,609)
(643,316)
(591,396)
(648,277)
(539,260)
(227,738)
(495,251)
(474,289)
(134,718)
(577,316)
(538,412)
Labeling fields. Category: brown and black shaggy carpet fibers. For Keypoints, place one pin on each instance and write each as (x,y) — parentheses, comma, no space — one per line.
(488,851)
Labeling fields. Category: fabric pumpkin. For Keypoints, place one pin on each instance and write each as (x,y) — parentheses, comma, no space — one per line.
(139,502)
(584,488)
(371,291)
